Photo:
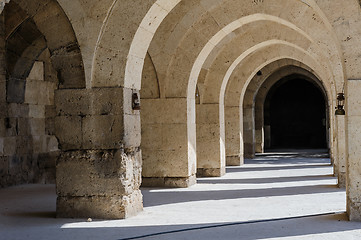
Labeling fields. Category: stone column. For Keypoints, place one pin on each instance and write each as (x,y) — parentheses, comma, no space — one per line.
(4,120)
(353,118)
(340,166)
(2,64)
(211,159)
(259,131)
(167,160)
(98,174)
(234,140)
(248,132)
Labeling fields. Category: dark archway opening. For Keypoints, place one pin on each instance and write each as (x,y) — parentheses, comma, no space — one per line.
(295,115)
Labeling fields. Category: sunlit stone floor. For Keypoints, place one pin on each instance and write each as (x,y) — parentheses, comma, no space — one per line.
(279,195)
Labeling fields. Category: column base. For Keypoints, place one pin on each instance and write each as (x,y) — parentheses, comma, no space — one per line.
(249,151)
(169,182)
(259,148)
(99,207)
(211,172)
(234,160)
(101,184)
(249,155)
(354,210)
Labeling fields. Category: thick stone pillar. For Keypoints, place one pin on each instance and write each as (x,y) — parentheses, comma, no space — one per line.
(98,174)
(234,140)
(340,165)
(248,132)
(259,130)
(2,64)
(353,118)
(211,159)
(4,120)
(167,160)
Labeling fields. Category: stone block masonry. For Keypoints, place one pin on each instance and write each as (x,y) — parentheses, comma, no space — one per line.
(98,176)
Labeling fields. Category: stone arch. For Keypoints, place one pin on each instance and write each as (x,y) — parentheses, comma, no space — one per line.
(158,7)
(179,87)
(196,74)
(214,85)
(273,82)
(116,72)
(64,48)
(209,61)
(147,22)
(256,94)
(214,107)
(42,55)
(331,93)
(233,108)
(209,49)
(105,73)
(255,100)
(336,128)
(333,124)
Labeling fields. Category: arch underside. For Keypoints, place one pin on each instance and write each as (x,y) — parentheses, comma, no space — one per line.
(220,57)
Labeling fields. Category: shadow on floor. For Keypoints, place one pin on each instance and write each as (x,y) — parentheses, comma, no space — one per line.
(334,225)
(41,224)
(152,198)
(169,196)
(23,214)
(271,168)
(265,180)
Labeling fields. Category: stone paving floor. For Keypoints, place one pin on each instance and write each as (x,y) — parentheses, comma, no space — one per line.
(279,195)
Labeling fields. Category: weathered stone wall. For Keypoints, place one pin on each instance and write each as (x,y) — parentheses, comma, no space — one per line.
(40,54)
(99,163)
(28,147)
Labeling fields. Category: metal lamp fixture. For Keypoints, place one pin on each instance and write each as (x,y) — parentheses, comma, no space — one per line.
(340,104)
(135,102)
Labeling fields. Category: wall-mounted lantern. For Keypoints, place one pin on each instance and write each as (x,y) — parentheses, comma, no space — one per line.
(135,102)
(340,104)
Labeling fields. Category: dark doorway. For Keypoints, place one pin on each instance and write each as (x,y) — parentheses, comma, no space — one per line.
(295,112)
